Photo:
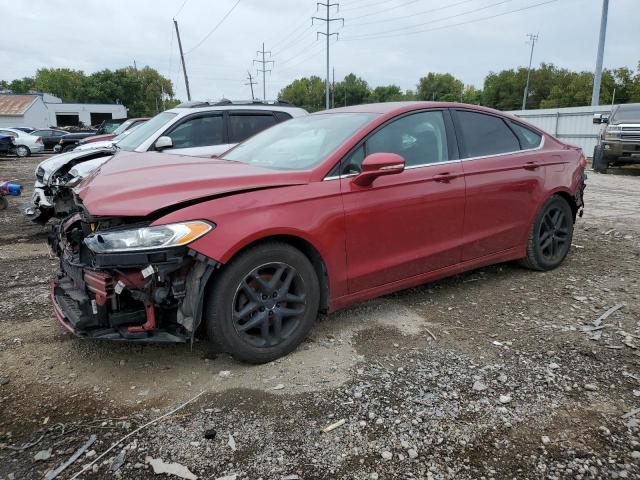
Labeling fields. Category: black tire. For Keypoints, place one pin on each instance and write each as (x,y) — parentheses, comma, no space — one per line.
(246,303)
(68,148)
(550,235)
(23,151)
(4,203)
(600,162)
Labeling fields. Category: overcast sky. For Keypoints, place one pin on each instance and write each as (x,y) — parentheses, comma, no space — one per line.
(374,43)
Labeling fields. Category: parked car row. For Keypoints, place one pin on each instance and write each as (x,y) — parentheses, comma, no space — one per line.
(179,232)
(24,143)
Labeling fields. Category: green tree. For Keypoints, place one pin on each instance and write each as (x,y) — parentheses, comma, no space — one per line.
(69,85)
(25,85)
(352,90)
(439,87)
(307,93)
(386,93)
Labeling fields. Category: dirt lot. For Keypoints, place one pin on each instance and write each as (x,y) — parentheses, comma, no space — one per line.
(498,373)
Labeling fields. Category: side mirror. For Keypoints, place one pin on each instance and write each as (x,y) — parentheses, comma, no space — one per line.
(599,118)
(377,165)
(163,142)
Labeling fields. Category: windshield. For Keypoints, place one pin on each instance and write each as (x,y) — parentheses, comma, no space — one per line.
(122,127)
(300,143)
(144,131)
(627,113)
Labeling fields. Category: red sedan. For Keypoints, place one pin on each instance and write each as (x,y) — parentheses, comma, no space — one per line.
(311,215)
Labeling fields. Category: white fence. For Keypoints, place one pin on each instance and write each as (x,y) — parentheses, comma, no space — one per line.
(572,125)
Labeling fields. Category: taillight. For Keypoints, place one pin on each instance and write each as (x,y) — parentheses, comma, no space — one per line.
(60,142)
(583,160)
(38,140)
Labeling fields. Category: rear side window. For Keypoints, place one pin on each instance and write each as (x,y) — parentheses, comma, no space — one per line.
(243,126)
(198,132)
(485,134)
(282,116)
(528,138)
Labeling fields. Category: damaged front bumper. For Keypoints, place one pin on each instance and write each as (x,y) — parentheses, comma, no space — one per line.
(154,296)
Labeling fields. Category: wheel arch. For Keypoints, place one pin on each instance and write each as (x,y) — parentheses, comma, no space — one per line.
(302,244)
(565,194)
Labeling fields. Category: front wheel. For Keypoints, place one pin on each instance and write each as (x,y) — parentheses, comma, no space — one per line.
(550,236)
(263,303)
(600,163)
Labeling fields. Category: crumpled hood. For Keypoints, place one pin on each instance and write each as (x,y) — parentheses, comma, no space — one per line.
(53,164)
(138,184)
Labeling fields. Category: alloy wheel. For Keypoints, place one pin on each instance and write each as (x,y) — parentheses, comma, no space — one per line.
(22,151)
(268,304)
(554,234)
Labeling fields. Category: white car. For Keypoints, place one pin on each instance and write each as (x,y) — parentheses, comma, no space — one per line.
(193,129)
(25,143)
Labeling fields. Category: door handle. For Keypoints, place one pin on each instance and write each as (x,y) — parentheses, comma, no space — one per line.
(444,177)
(531,165)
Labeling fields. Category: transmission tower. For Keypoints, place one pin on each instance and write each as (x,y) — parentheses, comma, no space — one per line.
(327,19)
(251,83)
(263,70)
(532,39)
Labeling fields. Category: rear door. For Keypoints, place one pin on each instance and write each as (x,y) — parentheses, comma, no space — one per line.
(410,223)
(242,124)
(503,176)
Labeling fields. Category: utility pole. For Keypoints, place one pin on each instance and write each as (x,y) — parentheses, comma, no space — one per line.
(327,19)
(251,83)
(264,70)
(184,67)
(532,39)
(333,89)
(597,78)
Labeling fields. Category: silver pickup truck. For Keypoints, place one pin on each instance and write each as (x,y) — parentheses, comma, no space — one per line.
(619,140)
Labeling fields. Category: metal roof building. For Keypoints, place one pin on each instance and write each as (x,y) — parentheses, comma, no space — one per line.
(40,110)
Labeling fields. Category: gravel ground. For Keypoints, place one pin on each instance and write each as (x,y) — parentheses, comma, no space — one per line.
(497,373)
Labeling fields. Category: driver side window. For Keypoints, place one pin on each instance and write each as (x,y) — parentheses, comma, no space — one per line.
(198,132)
(419,138)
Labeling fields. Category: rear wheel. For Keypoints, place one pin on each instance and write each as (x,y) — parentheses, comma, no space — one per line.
(550,236)
(263,303)
(22,151)
(600,162)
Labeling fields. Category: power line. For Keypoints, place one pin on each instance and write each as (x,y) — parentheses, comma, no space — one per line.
(180,9)
(532,39)
(264,70)
(410,2)
(367,5)
(374,36)
(215,27)
(403,29)
(305,22)
(424,12)
(293,40)
(327,19)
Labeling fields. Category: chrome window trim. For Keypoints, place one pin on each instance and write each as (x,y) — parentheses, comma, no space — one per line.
(539,147)
(411,167)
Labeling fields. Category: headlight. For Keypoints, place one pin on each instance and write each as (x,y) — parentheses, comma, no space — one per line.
(147,238)
(612,131)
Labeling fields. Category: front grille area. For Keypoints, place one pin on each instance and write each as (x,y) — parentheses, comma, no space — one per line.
(40,174)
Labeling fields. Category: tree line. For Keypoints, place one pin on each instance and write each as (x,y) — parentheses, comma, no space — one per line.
(143,91)
(549,87)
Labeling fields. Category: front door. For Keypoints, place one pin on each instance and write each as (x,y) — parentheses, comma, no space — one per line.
(410,223)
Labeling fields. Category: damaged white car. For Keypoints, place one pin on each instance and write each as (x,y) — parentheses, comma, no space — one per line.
(194,129)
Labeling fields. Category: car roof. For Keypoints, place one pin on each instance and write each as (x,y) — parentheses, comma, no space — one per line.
(238,106)
(400,107)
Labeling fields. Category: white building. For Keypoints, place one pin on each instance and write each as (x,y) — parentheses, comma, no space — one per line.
(44,110)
